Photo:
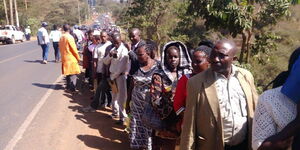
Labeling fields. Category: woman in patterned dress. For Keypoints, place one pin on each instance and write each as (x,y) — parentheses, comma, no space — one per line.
(175,62)
(140,135)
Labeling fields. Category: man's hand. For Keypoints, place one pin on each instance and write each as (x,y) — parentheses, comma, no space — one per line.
(272,143)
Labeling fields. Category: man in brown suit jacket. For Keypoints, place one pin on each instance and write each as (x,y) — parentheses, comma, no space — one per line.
(220,104)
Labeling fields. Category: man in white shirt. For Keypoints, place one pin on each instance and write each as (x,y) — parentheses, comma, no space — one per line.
(43,40)
(102,91)
(55,35)
(27,33)
(118,60)
(80,36)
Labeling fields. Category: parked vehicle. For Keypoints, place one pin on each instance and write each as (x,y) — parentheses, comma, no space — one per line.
(9,34)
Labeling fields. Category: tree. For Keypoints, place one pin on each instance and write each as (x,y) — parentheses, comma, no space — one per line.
(156,18)
(17,15)
(240,17)
(11,12)
(5,11)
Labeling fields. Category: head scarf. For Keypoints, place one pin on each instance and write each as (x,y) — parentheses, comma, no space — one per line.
(184,66)
(291,87)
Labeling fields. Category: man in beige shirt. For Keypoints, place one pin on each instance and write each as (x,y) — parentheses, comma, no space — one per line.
(220,104)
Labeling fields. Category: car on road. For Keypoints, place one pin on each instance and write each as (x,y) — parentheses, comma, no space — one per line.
(9,34)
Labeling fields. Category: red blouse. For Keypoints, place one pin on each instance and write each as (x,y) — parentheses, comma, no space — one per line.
(180,94)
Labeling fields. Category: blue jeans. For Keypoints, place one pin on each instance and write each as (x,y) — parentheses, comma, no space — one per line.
(56,50)
(45,48)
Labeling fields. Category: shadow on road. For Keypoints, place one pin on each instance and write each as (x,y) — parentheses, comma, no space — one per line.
(111,136)
(33,61)
(49,86)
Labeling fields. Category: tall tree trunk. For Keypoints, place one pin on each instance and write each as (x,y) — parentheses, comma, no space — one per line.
(11,12)
(5,10)
(25,2)
(16,11)
(244,37)
(248,46)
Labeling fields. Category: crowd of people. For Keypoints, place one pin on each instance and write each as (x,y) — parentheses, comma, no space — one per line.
(187,98)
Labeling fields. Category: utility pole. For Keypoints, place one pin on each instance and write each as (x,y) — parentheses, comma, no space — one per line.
(5,9)
(16,11)
(11,12)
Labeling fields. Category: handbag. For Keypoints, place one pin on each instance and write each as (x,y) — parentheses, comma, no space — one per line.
(151,118)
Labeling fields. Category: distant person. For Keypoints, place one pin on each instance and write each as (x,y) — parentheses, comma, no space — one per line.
(43,40)
(102,91)
(118,60)
(136,41)
(27,33)
(80,36)
(69,58)
(55,35)
(220,104)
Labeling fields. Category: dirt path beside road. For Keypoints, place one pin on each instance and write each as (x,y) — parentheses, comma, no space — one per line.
(60,126)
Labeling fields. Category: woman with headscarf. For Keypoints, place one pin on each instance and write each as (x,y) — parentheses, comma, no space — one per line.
(277,113)
(140,135)
(175,62)
(200,63)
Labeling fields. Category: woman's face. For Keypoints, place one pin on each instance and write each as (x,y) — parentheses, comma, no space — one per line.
(199,62)
(172,57)
(142,55)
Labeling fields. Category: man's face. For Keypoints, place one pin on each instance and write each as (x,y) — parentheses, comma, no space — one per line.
(117,42)
(134,37)
(221,57)
(104,37)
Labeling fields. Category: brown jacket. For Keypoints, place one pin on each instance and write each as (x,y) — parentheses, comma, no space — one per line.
(202,126)
(69,55)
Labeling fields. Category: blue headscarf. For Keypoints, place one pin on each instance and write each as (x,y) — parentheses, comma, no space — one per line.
(291,88)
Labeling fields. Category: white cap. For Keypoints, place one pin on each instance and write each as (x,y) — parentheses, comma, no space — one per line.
(96,32)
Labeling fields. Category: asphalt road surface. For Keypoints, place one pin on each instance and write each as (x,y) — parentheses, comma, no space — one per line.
(23,81)
(37,114)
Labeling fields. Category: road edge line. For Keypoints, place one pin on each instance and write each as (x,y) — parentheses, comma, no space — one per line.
(18,135)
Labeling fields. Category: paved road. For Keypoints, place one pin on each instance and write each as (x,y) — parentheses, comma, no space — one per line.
(23,82)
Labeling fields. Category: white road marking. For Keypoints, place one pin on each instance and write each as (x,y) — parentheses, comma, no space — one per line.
(18,135)
(11,58)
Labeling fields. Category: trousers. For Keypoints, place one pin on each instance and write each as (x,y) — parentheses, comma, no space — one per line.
(119,98)
(45,48)
(71,82)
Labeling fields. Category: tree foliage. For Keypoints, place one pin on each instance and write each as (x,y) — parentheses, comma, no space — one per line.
(240,17)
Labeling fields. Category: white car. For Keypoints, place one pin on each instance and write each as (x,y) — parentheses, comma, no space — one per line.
(9,34)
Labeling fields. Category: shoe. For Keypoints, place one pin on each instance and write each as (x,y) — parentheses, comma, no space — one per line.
(88,109)
(120,122)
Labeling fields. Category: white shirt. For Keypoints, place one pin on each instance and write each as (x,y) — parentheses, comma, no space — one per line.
(118,65)
(55,35)
(273,112)
(79,34)
(27,31)
(233,110)
(42,32)
(99,53)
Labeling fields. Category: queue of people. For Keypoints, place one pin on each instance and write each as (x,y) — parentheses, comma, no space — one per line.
(187,99)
